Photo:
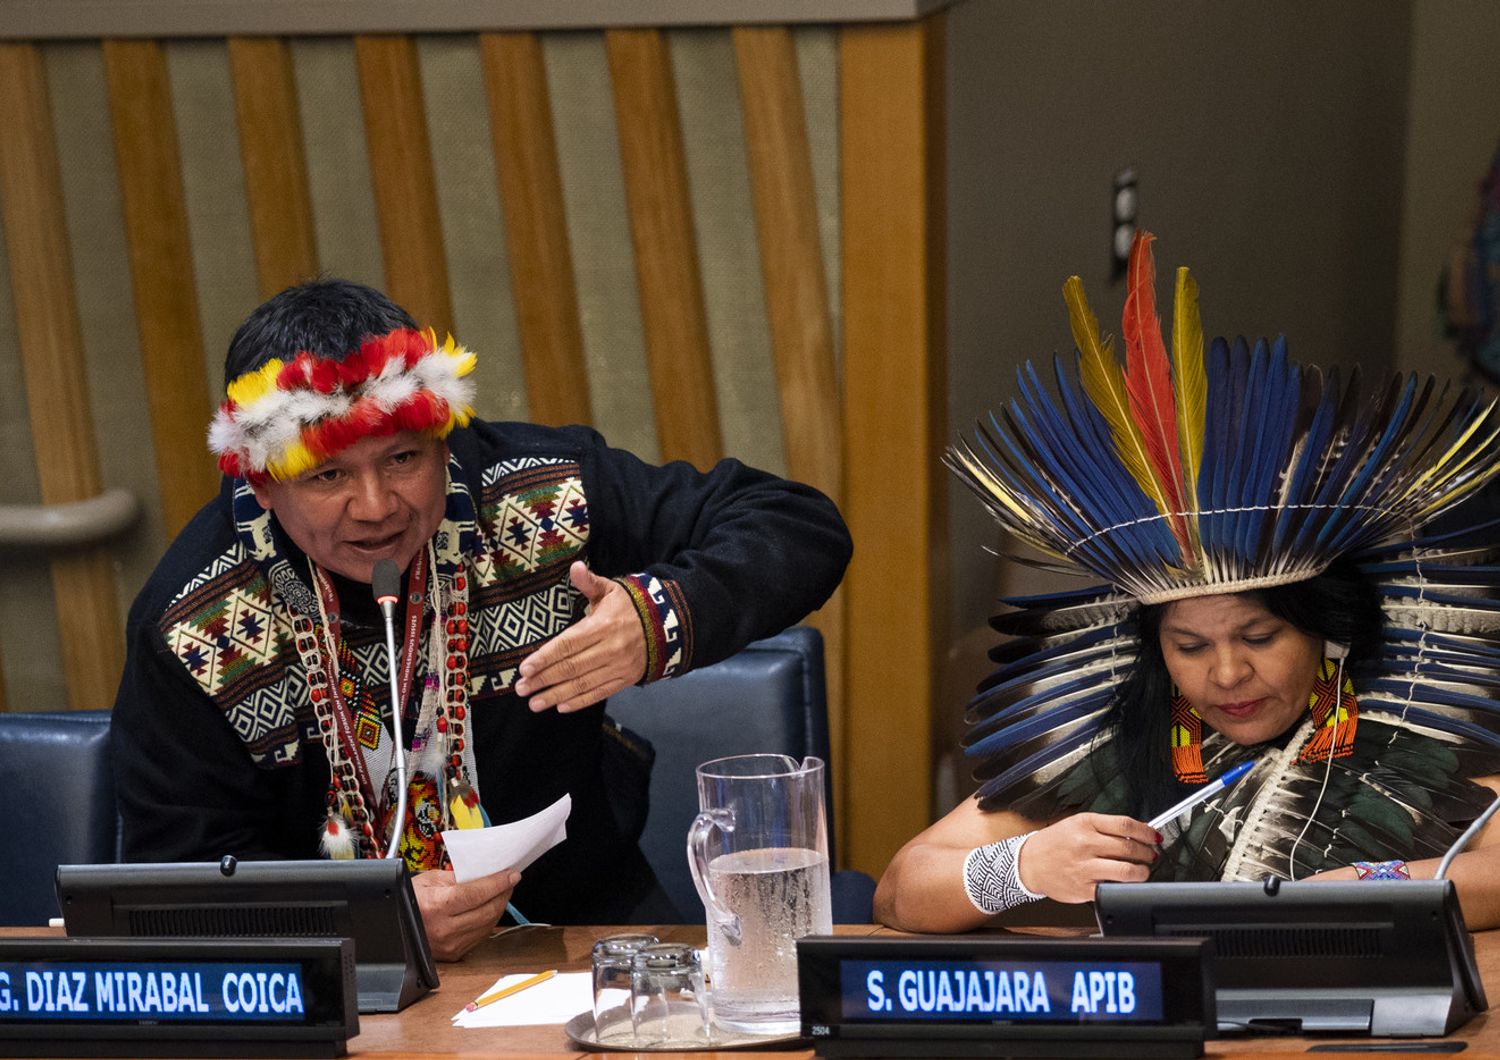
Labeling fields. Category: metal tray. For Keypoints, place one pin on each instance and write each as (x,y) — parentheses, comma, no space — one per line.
(580,1029)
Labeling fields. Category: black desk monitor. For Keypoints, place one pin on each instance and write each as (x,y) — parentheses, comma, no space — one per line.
(370,902)
(1389,958)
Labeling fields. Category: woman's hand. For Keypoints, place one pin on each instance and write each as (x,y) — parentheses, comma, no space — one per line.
(1066,860)
(923,887)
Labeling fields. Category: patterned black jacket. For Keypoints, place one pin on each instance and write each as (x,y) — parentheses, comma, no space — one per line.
(214,746)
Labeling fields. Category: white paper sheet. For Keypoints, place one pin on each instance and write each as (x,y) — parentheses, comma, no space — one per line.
(557,1000)
(477,852)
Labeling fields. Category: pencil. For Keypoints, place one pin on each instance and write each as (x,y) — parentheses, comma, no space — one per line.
(514,988)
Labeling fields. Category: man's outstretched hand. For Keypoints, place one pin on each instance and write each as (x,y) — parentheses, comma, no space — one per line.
(592,659)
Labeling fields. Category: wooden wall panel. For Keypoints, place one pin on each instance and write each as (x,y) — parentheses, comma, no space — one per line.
(894,408)
(874,447)
(161,270)
(281,218)
(51,349)
(791,258)
(661,227)
(411,236)
(536,229)
(734,299)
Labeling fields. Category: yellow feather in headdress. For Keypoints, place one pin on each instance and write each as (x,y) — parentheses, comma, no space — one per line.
(465,361)
(449,347)
(254,385)
(1437,476)
(1190,380)
(293,461)
(996,489)
(1104,382)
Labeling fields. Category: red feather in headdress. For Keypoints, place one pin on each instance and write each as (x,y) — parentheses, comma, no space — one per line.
(1148,381)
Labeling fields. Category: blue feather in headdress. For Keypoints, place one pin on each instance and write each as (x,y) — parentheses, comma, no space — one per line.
(1212,473)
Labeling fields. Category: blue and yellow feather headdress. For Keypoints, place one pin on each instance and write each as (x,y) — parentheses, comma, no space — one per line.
(1193,473)
(1185,476)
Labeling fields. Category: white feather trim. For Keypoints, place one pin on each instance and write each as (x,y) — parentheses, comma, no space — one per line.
(262,432)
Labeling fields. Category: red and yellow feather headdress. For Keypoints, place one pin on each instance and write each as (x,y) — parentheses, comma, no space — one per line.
(287,417)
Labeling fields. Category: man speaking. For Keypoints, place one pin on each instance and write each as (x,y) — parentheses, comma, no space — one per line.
(541,570)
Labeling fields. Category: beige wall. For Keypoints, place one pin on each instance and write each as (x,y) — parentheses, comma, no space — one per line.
(1268,142)
(1453,125)
(348,244)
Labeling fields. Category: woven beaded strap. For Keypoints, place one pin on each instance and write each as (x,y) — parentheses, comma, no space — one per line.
(1382,870)
(992,876)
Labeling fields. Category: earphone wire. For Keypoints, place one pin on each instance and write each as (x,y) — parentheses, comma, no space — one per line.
(1338,702)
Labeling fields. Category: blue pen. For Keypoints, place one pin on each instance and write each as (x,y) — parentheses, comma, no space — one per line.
(1208,791)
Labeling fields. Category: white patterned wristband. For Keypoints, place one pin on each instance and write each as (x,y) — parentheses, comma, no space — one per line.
(992,876)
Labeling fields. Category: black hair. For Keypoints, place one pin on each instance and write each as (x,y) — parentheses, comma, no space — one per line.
(327,317)
(1339,605)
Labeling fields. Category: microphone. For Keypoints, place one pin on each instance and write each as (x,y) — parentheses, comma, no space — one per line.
(385,582)
(1463,840)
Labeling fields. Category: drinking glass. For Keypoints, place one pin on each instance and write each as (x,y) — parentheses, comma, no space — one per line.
(614,1016)
(668,995)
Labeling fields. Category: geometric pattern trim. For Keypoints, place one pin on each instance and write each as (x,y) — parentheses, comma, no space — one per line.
(1382,870)
(225,628)
(268,720)
(495,472)
(665,619)
(504,631)
(236,643)
(533,517)
(233,632)
(219,566)
(992,877)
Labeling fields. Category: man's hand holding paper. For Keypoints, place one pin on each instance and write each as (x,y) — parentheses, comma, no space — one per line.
(458,916)
(477,852)
(461,906)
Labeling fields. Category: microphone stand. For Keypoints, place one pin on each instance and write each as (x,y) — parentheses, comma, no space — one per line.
(386,584)
(1463,840)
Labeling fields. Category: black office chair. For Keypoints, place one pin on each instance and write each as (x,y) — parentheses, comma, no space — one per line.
(769,698)
(57,788)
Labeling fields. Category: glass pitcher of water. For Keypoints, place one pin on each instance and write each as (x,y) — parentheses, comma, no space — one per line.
(758,850)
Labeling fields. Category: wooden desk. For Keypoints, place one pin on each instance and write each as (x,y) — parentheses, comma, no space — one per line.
(425,1032)
(424,1029)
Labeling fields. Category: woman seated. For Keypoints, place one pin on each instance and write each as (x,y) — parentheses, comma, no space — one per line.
(1270,599)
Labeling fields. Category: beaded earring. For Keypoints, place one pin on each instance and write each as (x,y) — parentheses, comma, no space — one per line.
(1187,741)
(1330,723)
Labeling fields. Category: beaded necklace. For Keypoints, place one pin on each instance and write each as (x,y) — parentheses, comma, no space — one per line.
(357,811)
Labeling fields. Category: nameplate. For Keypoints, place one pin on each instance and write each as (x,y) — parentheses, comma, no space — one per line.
(891,996)
(176,997)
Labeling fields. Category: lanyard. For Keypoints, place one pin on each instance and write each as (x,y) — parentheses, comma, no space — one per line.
(342,715)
